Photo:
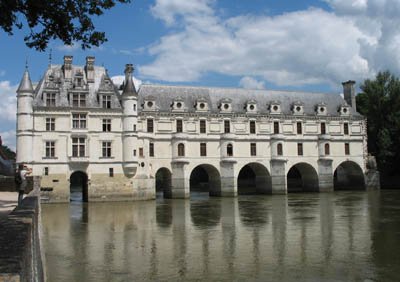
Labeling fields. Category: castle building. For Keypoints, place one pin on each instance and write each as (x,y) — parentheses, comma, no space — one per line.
(76,128)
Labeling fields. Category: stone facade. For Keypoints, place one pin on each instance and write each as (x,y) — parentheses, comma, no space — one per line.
(127,142)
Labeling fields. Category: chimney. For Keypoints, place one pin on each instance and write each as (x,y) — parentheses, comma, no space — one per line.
(67,67)
(128,71)
(349,93)
(89,69)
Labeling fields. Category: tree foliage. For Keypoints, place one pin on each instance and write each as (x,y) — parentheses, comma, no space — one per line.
(10,154)
(67,20)
(380,103)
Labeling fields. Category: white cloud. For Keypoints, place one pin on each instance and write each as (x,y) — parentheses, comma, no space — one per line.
(251,83)
(8,97)
(9,139)
(119,79)
(312,46)
(68,48)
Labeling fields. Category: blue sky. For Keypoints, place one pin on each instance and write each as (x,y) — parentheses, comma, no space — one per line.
(310,45)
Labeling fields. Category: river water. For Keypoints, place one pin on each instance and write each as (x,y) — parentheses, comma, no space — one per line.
(341,236)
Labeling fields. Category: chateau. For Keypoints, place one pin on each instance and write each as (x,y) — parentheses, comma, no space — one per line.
(75,128)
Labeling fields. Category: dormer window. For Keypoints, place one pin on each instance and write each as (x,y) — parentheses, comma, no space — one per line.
(298,108)
(321,109)
(344,109)
(251,106)
(275,107)
(225,105)
(178,105)
(78,81)
(149,104)
(201,105)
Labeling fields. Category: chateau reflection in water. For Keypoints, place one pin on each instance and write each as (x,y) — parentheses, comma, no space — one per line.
(333,236)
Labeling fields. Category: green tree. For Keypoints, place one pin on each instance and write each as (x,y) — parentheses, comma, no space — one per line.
(67,20)
(10,154)
(380,103)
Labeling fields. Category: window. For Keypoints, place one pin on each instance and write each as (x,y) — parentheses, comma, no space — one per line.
(252,127)
(202,126)
(346,128)
(141,154)
(78,120)
(134,107)
(227,126)
(279,149)
(151,149)
(50,149)
(106,125)
(150,125)
(78,146)
(253,149)
(46,170)
(229,150)
(106,101)
(78,100)
(106,149)
(111,171)
(323,128)
(179,125)
(203,149)
(299,128)
(276,127)
(300,149)
(346,148)
(51,99)
(181,150)
(134,153)
(134,127)
(327,149)
(50,124)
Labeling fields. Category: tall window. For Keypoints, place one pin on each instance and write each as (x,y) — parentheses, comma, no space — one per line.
(50,149)
(106,149)
(50,99)
(78,100)
(346,128)
(50,124)
(279,149)
(202,126)
(327,149)
(229,150)
(227,126)
(181,150)
(106,102)
(78,120)
(252,127)
(111,172)
(134,153)
(346,148)
(203,149)
(179,125)
(134,107)
(150,125)
(276,127)
(106,125)
(253,149)
(141,154)
(151,149)
(78,146)
(299,128)
(300,149)
(134,127)
(323,128)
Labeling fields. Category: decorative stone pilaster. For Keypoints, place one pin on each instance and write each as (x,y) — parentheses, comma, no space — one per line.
(228,179)
(325,175)
(278,176)
(180,182)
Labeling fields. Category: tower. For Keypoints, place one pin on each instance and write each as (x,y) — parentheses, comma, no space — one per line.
(129,135)
(349,93)
(25,120)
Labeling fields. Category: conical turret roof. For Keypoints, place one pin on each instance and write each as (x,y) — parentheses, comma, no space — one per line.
(129,87)
(26,84)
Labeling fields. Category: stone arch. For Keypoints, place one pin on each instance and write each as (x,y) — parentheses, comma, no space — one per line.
(205,178)
(163,181)
(302,177)
(348,176)
(78,186)
(254,178)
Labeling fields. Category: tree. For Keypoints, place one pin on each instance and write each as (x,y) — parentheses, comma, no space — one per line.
(380,103)
(67,20)
(10,154)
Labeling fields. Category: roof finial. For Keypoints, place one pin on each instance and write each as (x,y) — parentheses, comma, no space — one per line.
(50,57)
(26,63)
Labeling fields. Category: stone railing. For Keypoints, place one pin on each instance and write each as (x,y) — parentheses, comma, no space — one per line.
(21,257)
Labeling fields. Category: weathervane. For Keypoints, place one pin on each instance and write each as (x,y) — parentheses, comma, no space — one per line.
(50,57)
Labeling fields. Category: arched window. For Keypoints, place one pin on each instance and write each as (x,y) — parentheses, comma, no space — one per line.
(279,149)
(181,150)
(229,150)
(327,150)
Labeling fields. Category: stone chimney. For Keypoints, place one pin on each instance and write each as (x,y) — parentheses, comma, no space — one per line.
(89,69)
(67,67)
(349,93)
(128,71)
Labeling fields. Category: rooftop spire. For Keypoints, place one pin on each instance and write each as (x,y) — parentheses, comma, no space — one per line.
(25,85)
(129,87)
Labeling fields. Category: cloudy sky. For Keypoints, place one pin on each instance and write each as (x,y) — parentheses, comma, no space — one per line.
(310,45)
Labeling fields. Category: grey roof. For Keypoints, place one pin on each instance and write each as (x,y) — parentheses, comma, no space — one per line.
(26,84)
(129,87)
(165,95)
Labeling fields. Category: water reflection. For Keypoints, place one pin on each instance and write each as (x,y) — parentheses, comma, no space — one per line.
(338,237)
